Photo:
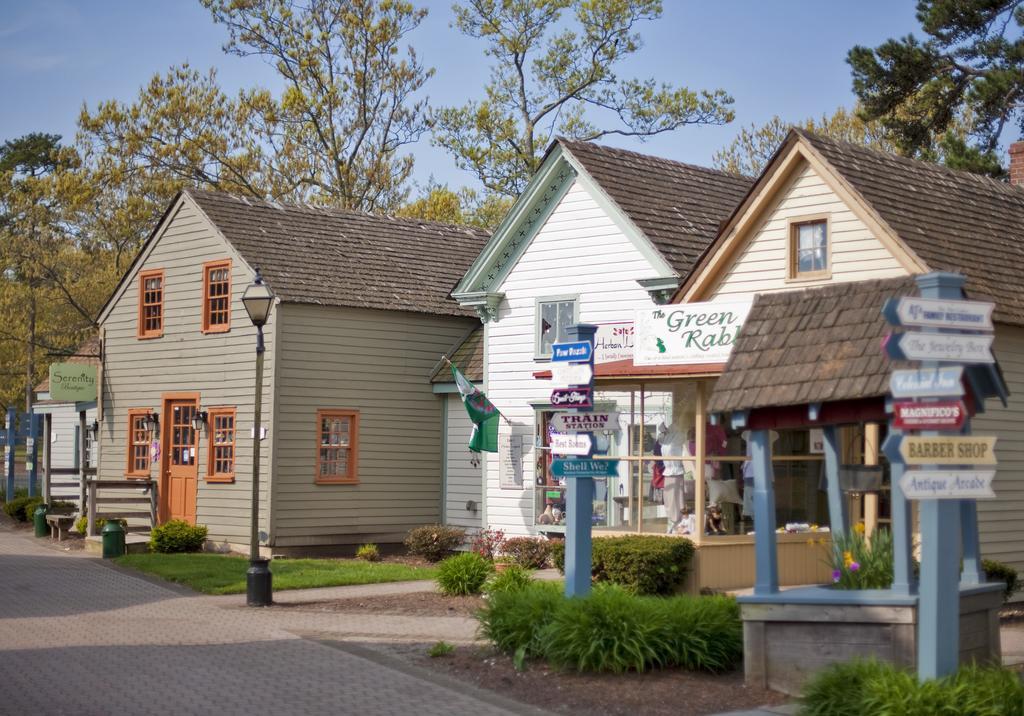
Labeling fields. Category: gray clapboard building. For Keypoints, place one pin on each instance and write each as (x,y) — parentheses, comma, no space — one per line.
(353,449)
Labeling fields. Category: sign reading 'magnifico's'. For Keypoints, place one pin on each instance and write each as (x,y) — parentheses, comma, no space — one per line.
(688,333)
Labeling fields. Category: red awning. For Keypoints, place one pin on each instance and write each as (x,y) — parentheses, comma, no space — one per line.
(626,369)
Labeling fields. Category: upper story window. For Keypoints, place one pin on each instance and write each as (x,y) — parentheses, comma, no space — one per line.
(554,316)
(217,296)
(809,249)
(337,445)
(151,304)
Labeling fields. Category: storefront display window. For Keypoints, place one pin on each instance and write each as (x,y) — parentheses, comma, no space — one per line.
(660,481)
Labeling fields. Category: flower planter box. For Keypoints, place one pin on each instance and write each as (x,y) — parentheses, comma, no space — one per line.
(790,636)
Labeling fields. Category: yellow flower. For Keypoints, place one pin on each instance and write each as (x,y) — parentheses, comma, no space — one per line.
(810,541)
(859,528)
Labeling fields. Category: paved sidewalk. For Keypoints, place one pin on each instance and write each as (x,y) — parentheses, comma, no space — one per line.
(77,636)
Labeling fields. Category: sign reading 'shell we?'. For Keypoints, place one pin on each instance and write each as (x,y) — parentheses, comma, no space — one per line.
(688,333)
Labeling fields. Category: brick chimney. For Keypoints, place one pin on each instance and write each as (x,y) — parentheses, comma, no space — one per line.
(1017,163)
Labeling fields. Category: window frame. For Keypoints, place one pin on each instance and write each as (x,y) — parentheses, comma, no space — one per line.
(352,478)
(211,430)
(130,471)
(793,253)
(538,302)
(141,332)
(208,268)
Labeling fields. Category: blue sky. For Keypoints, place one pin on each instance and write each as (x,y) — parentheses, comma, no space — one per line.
(784,57)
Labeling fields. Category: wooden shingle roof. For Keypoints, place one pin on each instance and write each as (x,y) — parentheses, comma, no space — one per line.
(468,357)
(332,257)
(953,220)
(677,206)
(812,346)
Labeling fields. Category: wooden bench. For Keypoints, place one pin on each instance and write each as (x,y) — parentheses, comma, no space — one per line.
(59,525)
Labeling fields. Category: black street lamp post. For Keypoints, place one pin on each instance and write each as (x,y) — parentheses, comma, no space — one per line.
(258,300)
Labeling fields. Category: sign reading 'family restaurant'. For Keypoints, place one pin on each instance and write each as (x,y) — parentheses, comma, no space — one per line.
(688,333)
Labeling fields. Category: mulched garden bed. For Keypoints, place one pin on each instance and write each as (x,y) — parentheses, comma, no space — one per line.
(419,604)
(671,692)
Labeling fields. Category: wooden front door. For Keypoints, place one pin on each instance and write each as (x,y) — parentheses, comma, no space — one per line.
(180,461)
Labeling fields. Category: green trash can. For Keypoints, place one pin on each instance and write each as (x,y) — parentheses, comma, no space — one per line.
(39,520)
(113,539)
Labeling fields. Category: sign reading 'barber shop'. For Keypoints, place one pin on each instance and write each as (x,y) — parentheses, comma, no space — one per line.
(688,333)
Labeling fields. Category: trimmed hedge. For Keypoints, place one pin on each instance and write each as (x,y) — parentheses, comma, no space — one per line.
(642,564)
(999,572)
(434,542)
(874,687)
(177,536)
(614,630)
(528,552)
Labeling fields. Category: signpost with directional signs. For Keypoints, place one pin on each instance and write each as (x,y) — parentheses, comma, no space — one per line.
(947,334)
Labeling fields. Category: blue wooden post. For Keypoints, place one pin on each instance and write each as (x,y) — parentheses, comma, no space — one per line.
(839,521)
(938,617)
(579,503)
(767,577)
(902,530)
(35,428)
(11,432)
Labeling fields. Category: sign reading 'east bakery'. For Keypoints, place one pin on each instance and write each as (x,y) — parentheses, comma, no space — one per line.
(688,333)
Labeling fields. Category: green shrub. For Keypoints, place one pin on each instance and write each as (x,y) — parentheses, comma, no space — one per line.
(614,630)
(368,552)
(441,648)
(861,563)
(873,687)
(83,522)
(62,507)
(18,492)
(434,542)
(22,508)
(1000,572)
(513,619)
(528,552)
(177,536)
(642,564)
(463,574)
(513,578)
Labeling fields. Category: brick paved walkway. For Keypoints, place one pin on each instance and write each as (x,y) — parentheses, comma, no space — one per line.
(79,637)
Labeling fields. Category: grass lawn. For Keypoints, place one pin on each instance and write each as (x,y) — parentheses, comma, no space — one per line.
(224,574)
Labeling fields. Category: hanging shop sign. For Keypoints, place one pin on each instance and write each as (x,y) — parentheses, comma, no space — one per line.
(578,351)
(73,382)
(571,398)
(570,443)
(949,347)
(914,312)
(613,342)
(941,450)
(585,422)
(564,375)
(941,415)
(948,484)
(584,468)
(942,382)
(688,333)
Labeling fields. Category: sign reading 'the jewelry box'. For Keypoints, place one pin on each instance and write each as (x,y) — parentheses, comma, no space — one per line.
(688,333)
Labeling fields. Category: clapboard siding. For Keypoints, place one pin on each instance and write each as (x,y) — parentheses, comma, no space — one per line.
(579,251)
(762,264)
(379,363)
(220,367)
(1002,531)
(462,478)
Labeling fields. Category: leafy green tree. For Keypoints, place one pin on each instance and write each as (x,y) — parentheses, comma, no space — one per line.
(466,206)
(549,75)
(349,109)
(970,66)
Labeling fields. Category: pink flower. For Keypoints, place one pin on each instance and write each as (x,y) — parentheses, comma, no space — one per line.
(836,574)
(854,566)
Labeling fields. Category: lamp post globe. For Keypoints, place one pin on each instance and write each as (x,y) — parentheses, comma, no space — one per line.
(258,300)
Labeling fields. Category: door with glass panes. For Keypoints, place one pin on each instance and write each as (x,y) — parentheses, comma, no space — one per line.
(180,463)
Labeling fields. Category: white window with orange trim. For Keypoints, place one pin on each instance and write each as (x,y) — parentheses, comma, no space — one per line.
(337,446)
(138,442)
(221,459)
(151,304)
(217,296)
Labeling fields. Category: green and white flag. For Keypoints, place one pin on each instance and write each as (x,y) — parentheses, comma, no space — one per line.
(481,411)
